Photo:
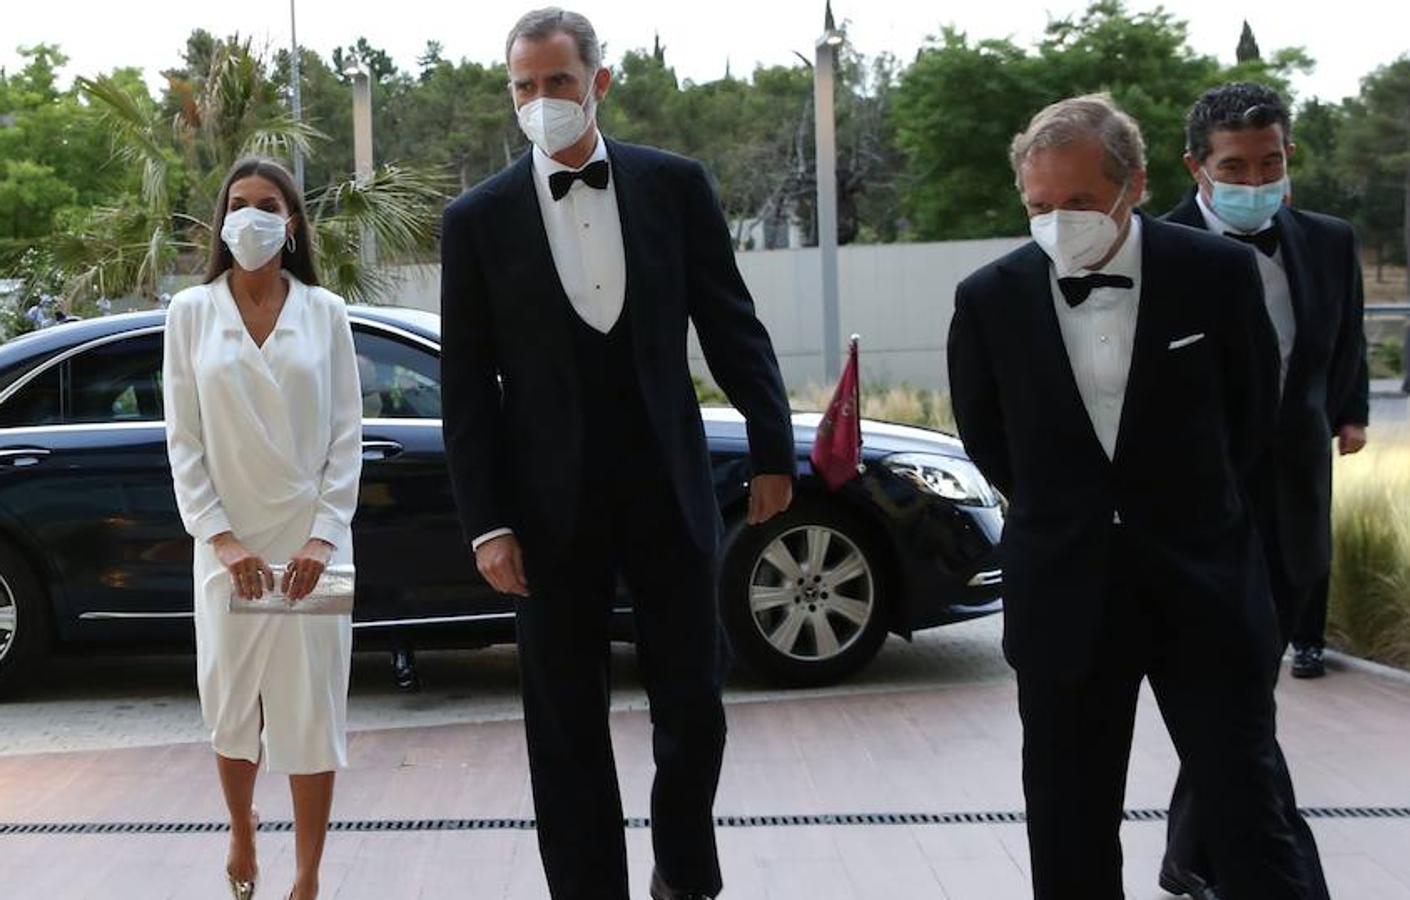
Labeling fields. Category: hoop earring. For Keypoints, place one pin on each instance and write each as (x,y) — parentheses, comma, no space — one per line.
(291,243)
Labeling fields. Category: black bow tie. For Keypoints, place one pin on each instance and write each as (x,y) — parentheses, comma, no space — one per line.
(1077,289)
(594,174)
(1266,240)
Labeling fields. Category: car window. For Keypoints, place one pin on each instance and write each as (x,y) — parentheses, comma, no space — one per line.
(117,382)
(37,403)
(399,380)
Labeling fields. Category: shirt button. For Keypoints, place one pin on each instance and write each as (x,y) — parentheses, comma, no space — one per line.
(598,286)
(1104,339)
(586,225)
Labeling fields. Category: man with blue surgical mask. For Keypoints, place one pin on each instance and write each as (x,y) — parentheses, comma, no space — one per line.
(577,454)
(1238,144)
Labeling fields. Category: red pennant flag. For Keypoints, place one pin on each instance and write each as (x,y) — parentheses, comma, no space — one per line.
(837,449)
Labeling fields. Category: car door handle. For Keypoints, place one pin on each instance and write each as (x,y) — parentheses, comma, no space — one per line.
(374,451)
(21,457)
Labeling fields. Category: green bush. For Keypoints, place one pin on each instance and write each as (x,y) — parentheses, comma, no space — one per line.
(901,404)
(1386,359)
(1370,585)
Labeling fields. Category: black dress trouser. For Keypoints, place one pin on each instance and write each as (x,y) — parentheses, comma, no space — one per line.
(1185,849)
(1209,675)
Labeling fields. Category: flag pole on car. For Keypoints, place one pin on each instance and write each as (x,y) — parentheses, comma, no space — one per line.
(837,449)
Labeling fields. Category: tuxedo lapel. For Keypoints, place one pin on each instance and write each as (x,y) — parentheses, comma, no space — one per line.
(1151,324)
(1031,280)
(630,182)
(1301,279)
(528,238)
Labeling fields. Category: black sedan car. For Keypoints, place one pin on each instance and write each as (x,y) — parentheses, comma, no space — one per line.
(93,554)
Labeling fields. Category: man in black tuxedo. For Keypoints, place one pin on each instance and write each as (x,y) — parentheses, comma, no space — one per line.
(1116,379)
(577,453)
(1237,148)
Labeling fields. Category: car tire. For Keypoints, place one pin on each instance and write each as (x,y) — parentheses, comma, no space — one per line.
(24,620)
(802,596)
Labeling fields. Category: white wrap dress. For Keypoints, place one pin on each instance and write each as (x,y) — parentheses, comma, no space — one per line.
(266,442)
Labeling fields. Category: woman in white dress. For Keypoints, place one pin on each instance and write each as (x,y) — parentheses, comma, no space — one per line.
(264,431)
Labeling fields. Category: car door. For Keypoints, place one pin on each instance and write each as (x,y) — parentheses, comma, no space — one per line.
(410,553)
(91,490)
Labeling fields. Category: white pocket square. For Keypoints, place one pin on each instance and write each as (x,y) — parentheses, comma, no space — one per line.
(1186,341)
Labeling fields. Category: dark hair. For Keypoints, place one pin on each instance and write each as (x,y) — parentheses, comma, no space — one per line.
(1234,107)
(299,261)
(541,24)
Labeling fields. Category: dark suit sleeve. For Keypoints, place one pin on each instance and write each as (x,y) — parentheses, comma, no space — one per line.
(736,346)
(1250,362)
(1349,381)
(471,401)
(974,394)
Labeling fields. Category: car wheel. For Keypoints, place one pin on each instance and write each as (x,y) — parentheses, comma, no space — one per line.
(24,620)
(802,596)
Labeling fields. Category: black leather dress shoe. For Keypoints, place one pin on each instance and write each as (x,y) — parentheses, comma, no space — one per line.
(404,670)
(1185,884)
(662,891)
(1307,663)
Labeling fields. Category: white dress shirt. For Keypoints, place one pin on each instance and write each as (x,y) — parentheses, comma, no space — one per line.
(1100,335)
(1277,291)
(584,231)
(585,234)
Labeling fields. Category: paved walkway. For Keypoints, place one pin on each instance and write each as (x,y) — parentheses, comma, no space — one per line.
(929,733)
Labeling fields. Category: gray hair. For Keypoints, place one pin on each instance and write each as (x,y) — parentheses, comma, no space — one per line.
(541,24)
(1089,117)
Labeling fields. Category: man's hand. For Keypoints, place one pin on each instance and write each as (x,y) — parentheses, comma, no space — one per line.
(1351,439)
(769,495)
(502,563)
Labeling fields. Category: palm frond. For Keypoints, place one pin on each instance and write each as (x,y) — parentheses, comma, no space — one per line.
(281,136)
(133,134)
(399,208)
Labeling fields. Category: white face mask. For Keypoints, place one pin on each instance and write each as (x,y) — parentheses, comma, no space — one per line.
(554,125)
(1075,239)
(253,236)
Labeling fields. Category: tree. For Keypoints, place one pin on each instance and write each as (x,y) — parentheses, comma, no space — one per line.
(1247,50)
(959,105)
(1375,157)
(30,196)
(230,110)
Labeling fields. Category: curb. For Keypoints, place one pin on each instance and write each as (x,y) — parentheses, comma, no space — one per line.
(1357,664)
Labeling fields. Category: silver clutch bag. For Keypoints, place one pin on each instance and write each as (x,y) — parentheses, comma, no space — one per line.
(332,596)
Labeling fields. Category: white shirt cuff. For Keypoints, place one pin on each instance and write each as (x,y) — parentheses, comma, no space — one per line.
(489,536)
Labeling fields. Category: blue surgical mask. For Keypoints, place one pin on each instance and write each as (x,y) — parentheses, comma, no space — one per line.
(1245,206)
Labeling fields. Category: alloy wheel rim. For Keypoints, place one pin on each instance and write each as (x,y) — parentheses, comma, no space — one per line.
(812,593)
(9,618)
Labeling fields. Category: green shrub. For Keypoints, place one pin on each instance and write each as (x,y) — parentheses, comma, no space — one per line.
(1370,585)
(1386,359)
(901,404)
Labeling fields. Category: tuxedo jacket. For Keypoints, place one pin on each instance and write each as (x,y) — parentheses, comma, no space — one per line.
(1199,407)
(1327,383)
(512,408)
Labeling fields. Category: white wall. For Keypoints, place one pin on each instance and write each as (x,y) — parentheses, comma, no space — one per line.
(898,297)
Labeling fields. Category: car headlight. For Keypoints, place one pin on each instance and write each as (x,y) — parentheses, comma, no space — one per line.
(957,480)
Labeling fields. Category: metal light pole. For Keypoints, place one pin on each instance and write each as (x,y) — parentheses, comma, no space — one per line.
(362,141)
(826,134)
(296,83)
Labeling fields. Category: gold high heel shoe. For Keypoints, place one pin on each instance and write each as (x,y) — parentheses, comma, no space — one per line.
(241,890)
(245,890)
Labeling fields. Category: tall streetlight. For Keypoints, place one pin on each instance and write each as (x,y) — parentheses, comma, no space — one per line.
(826,134)
(354,68)
(297,96)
